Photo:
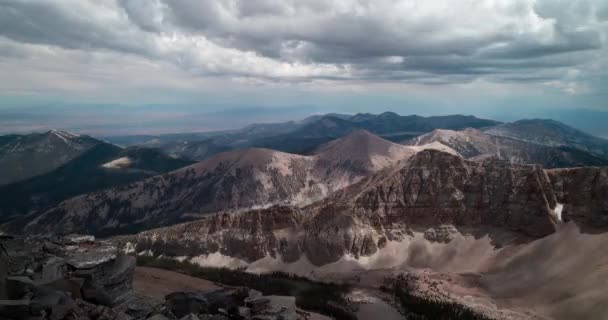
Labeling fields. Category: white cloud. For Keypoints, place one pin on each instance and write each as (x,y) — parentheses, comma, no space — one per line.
(71,43)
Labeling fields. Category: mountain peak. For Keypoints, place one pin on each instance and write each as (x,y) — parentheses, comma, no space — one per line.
(367,150)
(388,114)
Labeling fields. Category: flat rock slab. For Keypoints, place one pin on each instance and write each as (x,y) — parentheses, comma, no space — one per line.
(89,256)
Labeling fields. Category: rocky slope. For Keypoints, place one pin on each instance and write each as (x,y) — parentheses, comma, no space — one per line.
(551,133)
(236,180)
(473,143)
(25,156)
(487,238)
(430,190)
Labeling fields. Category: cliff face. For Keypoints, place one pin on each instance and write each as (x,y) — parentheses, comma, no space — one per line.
(433,189)
(436,188)
(584,195)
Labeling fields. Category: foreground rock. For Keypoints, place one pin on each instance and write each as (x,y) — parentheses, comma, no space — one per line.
(65,278)
(76,277)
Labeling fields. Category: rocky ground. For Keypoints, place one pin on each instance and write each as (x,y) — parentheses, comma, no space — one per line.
(76,277)
(158,283)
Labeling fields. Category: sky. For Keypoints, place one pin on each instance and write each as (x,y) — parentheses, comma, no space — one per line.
(493,58)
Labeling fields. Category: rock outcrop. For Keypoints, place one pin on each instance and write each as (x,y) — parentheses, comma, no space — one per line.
(77,277)
(65,278)
(583,196)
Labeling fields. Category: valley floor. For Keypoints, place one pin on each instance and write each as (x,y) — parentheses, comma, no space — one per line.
(157,283)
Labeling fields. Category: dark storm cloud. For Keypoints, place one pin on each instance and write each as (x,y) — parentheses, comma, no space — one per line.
(426,41)
(66,25)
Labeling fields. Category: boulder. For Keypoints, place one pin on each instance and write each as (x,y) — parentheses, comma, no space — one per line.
(15,309)
(277,307)
(190,316)
(54,268)
(184,303)
(17,287)
(158,317)
(78,239)
(109,282)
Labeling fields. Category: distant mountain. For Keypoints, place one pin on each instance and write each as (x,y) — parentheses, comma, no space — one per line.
(347,160)
(305,136)
(194,150)
(551,133)
(236,180)
(390,123)
(102,166)
(25,156)
(473,143)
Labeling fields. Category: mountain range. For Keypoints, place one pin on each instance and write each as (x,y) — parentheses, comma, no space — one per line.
(304,136)
(98,165)
(470,206)
(236,180)
(25,156)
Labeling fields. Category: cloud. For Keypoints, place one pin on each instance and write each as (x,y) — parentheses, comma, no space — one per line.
(421,42)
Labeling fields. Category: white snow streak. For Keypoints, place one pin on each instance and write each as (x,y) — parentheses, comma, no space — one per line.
(557,211)
(118,163)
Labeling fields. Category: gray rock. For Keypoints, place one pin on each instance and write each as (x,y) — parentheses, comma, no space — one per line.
(140,306)
(283,307)
(78,239)
(87,257)
(123,316)
(190,316)
(15,309)
(184,303)
(254,293)
(53,269)
(158,317)
(17,287)
(244,312)
(257,304)
(109,282)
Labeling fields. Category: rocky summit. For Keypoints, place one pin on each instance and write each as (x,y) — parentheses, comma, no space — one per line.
(77,277)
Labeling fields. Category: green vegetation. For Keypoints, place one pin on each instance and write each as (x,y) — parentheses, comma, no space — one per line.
(427,309)
(325,298)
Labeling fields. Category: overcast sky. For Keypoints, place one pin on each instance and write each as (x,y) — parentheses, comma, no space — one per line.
(342,55)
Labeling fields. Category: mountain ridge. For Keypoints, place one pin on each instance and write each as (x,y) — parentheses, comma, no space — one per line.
(236,180)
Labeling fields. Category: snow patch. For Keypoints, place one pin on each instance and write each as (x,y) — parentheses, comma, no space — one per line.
(218,260)
(129,248)
(118,163)
(557,211)
(435,146)
(65,136)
